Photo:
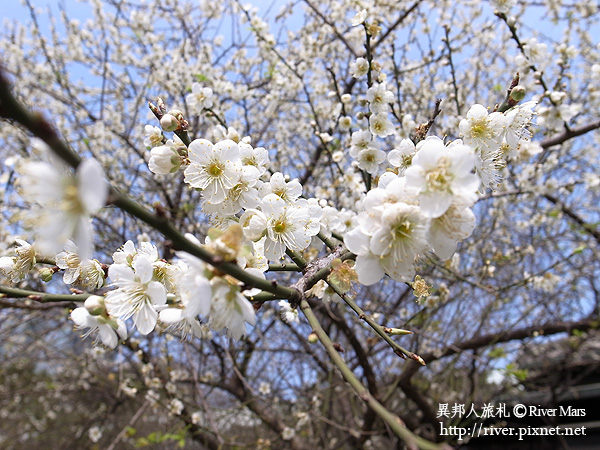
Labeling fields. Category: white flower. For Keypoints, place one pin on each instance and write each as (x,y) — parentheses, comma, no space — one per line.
(288,191)
(197,417)
(65,203)
(361,140)
(230,309)
(193,288)
(401,157)
(128,253)
(359,68)
(200,98)
(503,6)
(536,52)
(517,121)
(95,434)
(257,259)
(482,130)
(243,194)
(109,329)
(387,240)
(87,273)
(379,125)
(379,98)
(455,225)
(345,122)
(175,407)
(359,18)
(285,225)
(153,136)
(257,157)
(17,267)
(441,173)
(164,159)
(137,294)
(370,159)
(288,434)
(264,388)
(553,117)
(213,168)
(488,166)
(287,313)
(401,234)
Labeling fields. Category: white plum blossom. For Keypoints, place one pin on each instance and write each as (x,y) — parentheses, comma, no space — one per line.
(287,313)
(288,434)
(345,123)
(359,18)
(213,168)
(289,191)
(445,231)
(554,117)
(482,130)
(230,309)
(200,98)
(361,140)
(264,388)
(64,203)
(17,267)
(87,273)
(441,173)
(165,159)
(379,125)
(401,156)
(536,52)
(359,68)
(285,226)
(176,407)
(95,434)
(390,233)
(503,6)
(379,98)
(137,295)
(128,252)
(243,194)
(257,157)
(193,288)
(370,159)
(109,329)
(517,121)
(153,136)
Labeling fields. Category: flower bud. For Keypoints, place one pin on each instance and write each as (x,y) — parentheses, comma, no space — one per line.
(313,338)
(169,122)
(164,160)
(518,93)
(346,98)
(177,113)
(46,274)
(95,305)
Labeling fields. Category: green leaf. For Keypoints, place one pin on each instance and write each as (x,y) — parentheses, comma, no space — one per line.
(497,352)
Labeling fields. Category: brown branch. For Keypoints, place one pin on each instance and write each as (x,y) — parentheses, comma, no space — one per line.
(589,229)
(503,336)
(31,305)
(398,22)
(424,128)
(570,133)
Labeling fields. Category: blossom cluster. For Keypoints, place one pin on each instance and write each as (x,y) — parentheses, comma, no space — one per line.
(421,203)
